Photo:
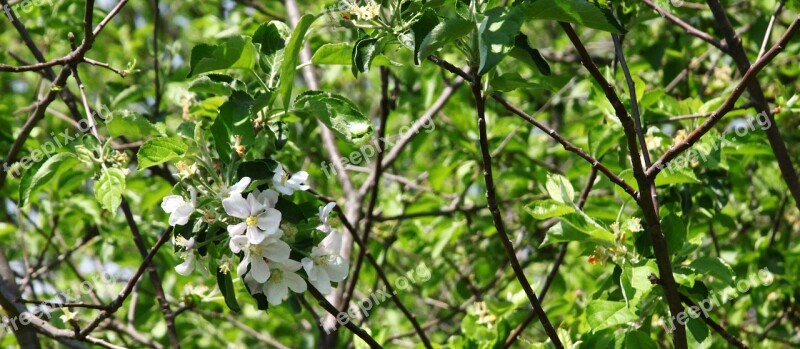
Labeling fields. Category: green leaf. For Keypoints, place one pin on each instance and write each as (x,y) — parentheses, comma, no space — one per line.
(258,169)
(578,227)
(582,12)
(225,285)
(270,39)
(109,188)
(442,34)
(421,28)
(635,282)
(340,53)
(160,150)
(42,172)
(560,189)
(131,126)
(602,314)
(639,340)
(698,336)
(529,55)
(674,231)
(363,53)
(217,85)
(715,267)
(497,33)
(291,57)
(338,113)
(603,138)
(236,52)
(233,120)
(512,81)
(545,209)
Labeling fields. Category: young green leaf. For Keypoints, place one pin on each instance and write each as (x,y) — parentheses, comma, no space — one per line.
(236,52)
(708,265)
(340,53)
(109,188)
(497,33)
(42,172)
(225,285)
(546,209)
(420,29)
(582,12)
(291,57)
(529,55)
(560,189)
(602,314)
(233,120)
(160,150)
(363,53)
(270,39)
(130,125)
(338,113)
(443,34)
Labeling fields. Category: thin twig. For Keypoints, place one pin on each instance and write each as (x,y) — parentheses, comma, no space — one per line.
(480,106)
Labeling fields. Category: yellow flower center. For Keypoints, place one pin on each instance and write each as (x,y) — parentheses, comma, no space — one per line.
(321,260)
(276,276)
(256,250)
(284,178)
(251,221)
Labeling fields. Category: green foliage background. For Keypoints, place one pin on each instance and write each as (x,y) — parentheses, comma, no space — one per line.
(724,218)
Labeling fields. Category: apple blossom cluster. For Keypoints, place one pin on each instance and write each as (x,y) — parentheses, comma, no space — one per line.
(273,259)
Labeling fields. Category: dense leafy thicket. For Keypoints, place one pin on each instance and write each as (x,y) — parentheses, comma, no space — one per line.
(399,173)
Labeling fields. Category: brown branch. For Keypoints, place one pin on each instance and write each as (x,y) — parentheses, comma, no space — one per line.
(556,266)
(480,106)
(126,291)
(169,317)
(688,27)
(726,106)
(358,331)
(773,132)
(648,201)
(550,132)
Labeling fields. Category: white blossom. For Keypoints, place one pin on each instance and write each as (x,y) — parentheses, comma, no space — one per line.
(256,256)
(178,208)
(324,212)
(259,219)
(288,185)
(283,278)
(325,265)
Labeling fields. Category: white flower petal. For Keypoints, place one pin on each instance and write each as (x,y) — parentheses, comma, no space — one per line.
(253,285)
(181,215)
(325,211)
(295,282)
(238,243)
(187,267)
(255,235)
(276,292)
(255,207)
(240,186)
(276,250)
(308,266)
(269,221)
(171,203)
(332,243)
(338,270)
(236,206)
(268,198)
(297,180)
(242,268)
(237,229)
(322,283)
(259,268)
